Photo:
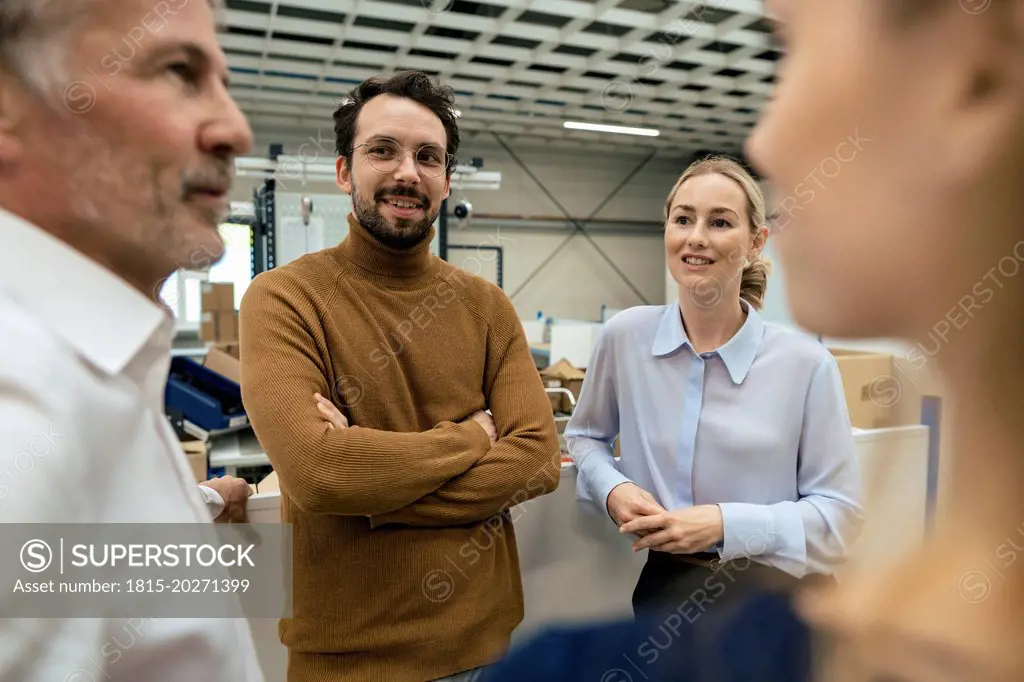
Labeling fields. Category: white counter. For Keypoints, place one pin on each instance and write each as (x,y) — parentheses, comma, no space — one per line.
(236,451)
(576,566)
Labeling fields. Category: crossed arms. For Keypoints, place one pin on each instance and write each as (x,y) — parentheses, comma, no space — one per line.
(448,475)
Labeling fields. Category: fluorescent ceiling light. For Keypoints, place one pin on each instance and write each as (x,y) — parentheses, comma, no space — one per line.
(602,128)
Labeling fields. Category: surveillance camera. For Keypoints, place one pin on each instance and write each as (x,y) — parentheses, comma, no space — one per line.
(463,210)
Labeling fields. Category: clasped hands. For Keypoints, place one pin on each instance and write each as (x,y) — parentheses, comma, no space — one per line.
(336,420)
(684,531)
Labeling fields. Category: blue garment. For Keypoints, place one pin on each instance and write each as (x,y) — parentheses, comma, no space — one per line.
(759,427)
(758,639)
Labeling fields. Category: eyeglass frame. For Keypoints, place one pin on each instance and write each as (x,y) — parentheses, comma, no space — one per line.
(448,157)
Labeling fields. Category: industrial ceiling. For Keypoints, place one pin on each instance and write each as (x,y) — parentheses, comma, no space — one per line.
(697,72)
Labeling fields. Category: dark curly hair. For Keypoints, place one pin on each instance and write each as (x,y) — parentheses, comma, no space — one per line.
(414,85)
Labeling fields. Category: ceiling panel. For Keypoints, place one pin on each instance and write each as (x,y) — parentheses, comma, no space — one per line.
(699,72)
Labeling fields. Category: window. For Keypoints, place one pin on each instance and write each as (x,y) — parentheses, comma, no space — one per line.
(181,292)
(236,265)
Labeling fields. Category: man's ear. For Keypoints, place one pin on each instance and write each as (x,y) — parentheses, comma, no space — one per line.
(986,78)
(344,177)
(447,187)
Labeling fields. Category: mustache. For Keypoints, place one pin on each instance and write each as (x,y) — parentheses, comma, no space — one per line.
(220,179)
(402,191)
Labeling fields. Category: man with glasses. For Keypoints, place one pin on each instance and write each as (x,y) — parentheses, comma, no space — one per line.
(399,403)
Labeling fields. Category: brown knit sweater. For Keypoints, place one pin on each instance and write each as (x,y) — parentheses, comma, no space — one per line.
(405,563)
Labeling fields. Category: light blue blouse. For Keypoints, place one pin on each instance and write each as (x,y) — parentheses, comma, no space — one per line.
(759,427)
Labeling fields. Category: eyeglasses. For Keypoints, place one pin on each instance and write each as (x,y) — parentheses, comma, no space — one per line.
(386,155)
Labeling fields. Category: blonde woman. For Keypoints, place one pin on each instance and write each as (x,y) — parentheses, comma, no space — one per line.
(919,225)
(896,144)
(738,464)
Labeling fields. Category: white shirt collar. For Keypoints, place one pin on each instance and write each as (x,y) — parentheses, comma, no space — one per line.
(92,309)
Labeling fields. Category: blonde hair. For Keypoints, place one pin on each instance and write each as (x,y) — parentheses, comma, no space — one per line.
(754,282)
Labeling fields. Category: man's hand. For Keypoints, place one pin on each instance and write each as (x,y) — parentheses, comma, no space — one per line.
(335,419)
(684,531)
(485,420)
(235,492)
(628,502)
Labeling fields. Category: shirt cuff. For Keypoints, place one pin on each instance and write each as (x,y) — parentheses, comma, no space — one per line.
(214,502)
(755,530)
(598,484)
(749,530)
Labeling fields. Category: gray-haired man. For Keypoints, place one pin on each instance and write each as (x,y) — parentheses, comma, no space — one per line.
(117,147)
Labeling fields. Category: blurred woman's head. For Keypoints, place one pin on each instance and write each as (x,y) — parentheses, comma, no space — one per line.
(715,229)
(895,142)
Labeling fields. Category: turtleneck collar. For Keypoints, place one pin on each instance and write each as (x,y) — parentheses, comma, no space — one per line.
(384,264)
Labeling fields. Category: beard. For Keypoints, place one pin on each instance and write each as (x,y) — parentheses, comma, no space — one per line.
(140,216)
(404,234)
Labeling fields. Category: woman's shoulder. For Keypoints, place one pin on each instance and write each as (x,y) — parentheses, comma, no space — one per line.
(788,343)
(641,320)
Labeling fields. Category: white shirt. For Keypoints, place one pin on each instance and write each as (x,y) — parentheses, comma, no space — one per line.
(84,360)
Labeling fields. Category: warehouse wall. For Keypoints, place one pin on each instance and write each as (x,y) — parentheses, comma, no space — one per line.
(545,184)
(578,281)
(539,183)
(536,185)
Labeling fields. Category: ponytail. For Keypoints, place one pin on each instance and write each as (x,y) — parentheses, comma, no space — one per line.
(755,282)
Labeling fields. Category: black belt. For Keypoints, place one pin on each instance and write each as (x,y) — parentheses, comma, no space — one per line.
(708,560)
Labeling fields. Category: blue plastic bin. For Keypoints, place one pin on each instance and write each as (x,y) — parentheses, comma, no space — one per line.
(203,397)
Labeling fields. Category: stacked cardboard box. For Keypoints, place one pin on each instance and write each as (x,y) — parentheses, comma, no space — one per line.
(219,321)
(881,390)
(563,374)
(869,386)
(884,391)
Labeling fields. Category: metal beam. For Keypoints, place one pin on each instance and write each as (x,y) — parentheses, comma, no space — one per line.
(578,226)
(567,225)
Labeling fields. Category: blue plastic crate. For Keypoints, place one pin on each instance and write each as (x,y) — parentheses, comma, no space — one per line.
(203,397)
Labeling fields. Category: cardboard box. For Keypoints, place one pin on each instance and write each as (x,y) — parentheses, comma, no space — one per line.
(219,327)
(227,327)
(208,326)
(870,387)
(217,297)
(884,390)
(270,484)
(196,454)
(563,374)
(225,365)
(231,349)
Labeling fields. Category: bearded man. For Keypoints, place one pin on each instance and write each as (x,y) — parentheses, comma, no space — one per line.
(399,403)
